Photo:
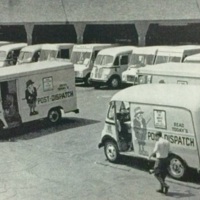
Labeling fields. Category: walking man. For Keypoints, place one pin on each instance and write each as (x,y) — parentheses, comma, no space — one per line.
(161,151)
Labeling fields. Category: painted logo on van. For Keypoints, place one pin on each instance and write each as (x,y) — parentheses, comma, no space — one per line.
(31,97)
(140,129)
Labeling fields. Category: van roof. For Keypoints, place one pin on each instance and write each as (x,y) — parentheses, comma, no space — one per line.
(32,48)
(172,69)
(178,49)
(91,46)
(116,50)
(31,68)
(55,46)
(13,46)
(177,95)
(146,50)
(4,43)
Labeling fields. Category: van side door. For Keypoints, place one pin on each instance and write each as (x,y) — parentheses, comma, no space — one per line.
(123,63)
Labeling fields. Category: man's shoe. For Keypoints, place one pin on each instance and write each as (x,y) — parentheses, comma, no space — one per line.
(160,191)
(166,188)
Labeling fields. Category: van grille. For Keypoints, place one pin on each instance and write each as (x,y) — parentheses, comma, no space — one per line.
(131,78)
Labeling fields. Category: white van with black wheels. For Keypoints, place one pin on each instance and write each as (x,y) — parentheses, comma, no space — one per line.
(109,66)
(35,91)
(145,109)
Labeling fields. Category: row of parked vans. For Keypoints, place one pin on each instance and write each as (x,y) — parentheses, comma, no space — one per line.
(99,64)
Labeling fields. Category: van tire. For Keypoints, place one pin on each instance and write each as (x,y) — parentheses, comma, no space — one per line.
(54,115)
(87,81)
(111,151)
(177,167)
(114,82)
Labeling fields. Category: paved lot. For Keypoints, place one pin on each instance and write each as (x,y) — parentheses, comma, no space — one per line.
(63,162)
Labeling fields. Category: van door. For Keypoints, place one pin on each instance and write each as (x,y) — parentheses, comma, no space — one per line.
(123,63)
(10,103)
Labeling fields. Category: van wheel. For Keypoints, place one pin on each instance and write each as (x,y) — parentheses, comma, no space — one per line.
(87,80)
(177,167)
(111,151)
(54,115)
(114,82)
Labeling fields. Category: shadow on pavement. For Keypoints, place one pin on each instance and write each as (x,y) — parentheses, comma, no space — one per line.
(178,195)
(145,165)
(41,128)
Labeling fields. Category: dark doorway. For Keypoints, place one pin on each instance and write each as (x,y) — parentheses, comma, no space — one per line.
(54,34)
(125,34)
(13,33)
(173,35)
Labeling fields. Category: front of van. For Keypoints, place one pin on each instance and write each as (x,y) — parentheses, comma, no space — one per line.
(81,58)
(102,69)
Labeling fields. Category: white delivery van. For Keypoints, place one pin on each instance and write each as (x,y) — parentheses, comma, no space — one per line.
(29,54)
(56,51)
(140,57)
(192,59)
(9,53)
(35,91)
(174,73)
(109,66)
(142,110)
(2,43)
(176,53)
(83,56)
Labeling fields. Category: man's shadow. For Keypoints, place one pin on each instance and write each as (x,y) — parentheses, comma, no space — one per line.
(187,194)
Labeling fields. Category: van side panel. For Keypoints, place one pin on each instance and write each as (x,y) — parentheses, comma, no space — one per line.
(175,80)
(54,89)
(174,123)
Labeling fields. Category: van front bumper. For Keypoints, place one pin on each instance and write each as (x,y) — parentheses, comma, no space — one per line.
(79,79)
(98,82)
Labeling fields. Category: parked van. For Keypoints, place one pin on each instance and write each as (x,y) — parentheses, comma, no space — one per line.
(141,57)
(109,66)
(54,51)
(193,59)
(176,53)
(29,54)
(176,73)
(35,91)
(145,109)
(9,53)
(2,43)
(83,56)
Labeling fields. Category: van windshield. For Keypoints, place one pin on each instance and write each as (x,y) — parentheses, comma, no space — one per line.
(2,55)
(104,60)
(24,56)
(80,57)
(46,54)
(165,59)
(141,60)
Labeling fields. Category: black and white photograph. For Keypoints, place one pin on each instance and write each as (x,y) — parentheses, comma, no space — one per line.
(99,99)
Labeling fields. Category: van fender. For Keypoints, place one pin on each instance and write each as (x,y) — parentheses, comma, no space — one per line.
(105,139)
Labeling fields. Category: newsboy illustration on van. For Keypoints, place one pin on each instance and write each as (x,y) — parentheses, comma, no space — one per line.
(31,96)
(140,129)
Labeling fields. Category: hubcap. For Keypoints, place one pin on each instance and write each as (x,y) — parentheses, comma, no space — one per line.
(115,83)
(176,167)
(111,152)
(54,116)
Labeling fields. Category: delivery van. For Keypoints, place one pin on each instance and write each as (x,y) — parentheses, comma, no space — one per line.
(35,91)
(109,66)
(29,54)
(2,43)
(193,58)
(142,110)
(56,51)
(176,53)
(9,53)
(83,56)
(174,73)
(141,57)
